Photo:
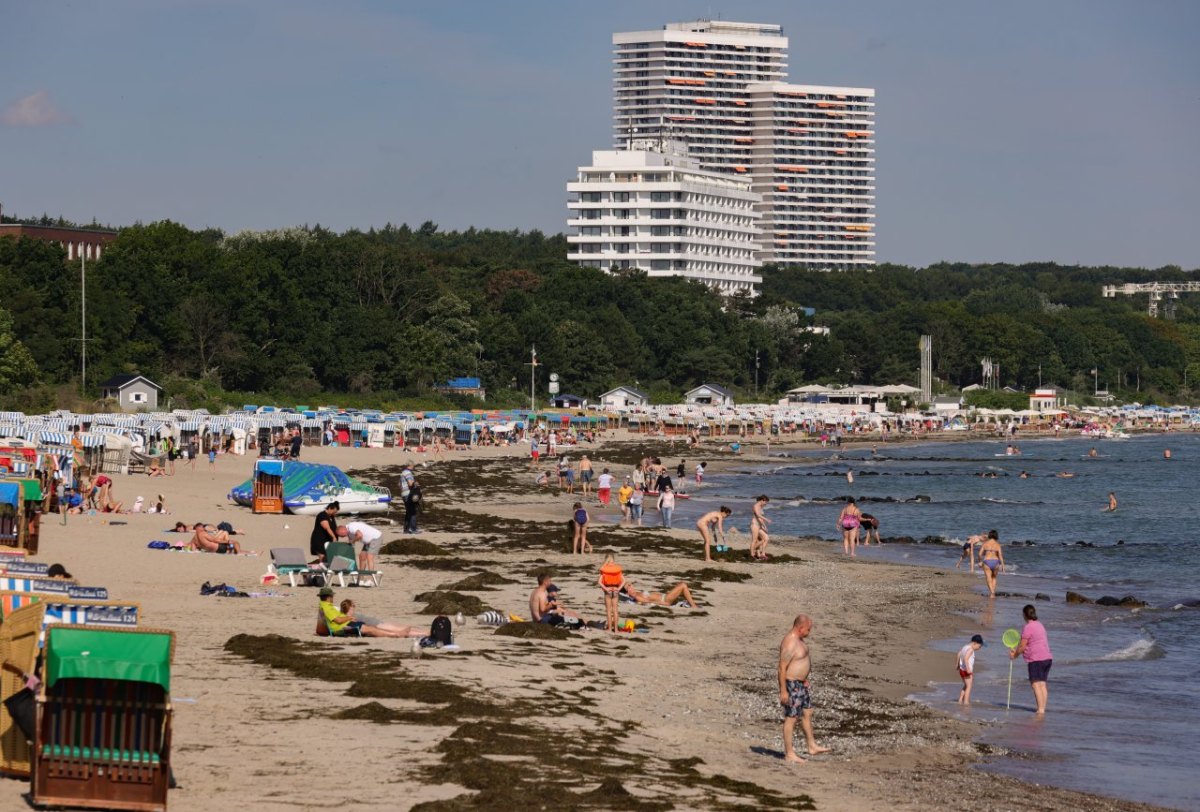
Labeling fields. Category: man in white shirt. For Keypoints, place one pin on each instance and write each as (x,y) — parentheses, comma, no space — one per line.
(370,538)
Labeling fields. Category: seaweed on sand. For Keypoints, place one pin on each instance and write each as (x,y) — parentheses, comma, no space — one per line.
(479,582)
(553,763)
(534,631)
(447,603)
(411,547)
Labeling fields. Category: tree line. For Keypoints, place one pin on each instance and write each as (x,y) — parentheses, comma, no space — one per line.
(386,314)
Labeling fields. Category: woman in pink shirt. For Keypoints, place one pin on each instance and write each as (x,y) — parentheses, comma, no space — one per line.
(1035,647)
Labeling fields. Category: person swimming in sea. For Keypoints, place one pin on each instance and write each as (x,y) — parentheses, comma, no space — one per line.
(1112,503)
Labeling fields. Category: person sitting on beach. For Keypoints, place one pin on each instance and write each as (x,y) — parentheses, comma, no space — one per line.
(543,603)
(669,598)
(58,572)
(217,542)
(154,469)
(991,558)
(338,623)
(72,500)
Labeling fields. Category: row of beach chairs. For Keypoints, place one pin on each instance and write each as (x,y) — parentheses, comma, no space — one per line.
(340,565)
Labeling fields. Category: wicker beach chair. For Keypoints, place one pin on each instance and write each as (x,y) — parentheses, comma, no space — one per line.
(104,719)
(19,635)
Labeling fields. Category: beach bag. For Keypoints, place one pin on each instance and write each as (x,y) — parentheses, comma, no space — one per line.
(159,545)
(441,631)
(22,707)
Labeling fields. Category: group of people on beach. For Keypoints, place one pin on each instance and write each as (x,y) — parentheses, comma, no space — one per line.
(851,522)
(546,605)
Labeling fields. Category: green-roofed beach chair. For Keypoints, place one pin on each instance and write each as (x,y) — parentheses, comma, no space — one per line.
(104,719)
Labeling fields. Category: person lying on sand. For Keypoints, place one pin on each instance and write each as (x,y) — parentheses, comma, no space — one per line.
(670,598)
(349,609)
(217,542)
(223,527)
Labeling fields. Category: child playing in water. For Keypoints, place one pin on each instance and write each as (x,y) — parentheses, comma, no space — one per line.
(966,667)
(612,581)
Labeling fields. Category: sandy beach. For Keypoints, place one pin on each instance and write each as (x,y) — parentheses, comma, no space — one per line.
(685,716)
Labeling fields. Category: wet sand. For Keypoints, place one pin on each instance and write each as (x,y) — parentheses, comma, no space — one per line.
(685,716)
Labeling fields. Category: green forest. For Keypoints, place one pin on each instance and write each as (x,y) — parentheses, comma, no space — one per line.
(378,317)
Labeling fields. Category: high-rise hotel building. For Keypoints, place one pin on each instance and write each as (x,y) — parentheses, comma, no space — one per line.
(807,150)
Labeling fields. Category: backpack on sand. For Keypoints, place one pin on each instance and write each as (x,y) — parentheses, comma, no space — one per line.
(441,631)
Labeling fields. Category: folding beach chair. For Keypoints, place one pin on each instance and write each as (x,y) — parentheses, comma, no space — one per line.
(347,632)
(291,561)
(342,564)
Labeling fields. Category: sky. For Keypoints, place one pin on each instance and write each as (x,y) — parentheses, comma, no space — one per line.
(1028,130)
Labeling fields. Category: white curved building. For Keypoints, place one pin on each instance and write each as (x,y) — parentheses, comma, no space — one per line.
(651,208)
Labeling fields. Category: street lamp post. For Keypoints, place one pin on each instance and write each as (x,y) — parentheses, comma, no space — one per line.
(533,365)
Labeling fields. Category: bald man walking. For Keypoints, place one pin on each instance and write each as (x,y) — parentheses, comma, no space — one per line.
(794,667)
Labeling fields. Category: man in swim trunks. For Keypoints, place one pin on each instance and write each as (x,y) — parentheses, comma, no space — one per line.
(543,603)
(991,558)
(794,668)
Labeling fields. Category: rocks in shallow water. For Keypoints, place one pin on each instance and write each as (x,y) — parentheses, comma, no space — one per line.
(899,540)
(1129,602)
(1084,544)
(1042,596)
(933,540)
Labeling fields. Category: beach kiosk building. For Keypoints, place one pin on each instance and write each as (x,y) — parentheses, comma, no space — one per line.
(624,397)
(1047,399)
(134,393)
(708,394)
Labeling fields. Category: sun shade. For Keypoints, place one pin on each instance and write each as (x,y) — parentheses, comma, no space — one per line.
(97,654)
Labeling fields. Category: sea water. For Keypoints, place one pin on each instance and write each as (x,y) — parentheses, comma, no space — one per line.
(1124,699)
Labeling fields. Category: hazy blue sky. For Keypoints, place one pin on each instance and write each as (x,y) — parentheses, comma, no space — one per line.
(1007,131)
